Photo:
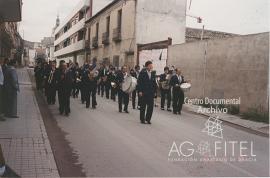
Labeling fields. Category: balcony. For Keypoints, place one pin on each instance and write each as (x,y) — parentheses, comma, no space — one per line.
(95,42)
(77,27)
(78,46)
(105,38)
(117,35)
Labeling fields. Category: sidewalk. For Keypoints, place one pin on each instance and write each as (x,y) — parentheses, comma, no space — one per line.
(255,126)
(24,141)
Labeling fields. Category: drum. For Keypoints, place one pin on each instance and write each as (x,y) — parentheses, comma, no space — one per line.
(185,87)
(129,84)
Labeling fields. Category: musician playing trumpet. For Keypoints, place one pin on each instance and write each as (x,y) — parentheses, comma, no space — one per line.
(165,89)
(178,93)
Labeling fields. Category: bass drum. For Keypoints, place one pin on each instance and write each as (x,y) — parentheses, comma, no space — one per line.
(129,84)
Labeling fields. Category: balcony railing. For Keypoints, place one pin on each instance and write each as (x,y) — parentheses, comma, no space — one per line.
(95,42)
(105,38)
(117,35)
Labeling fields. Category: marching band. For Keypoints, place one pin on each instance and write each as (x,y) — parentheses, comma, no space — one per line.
(89,80)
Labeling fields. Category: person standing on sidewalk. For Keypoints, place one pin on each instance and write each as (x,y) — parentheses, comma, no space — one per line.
(11,87)
(1,94)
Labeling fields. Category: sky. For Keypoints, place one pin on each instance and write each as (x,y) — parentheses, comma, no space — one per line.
(233,16)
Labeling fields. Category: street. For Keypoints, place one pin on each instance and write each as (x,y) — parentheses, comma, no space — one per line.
(110,144)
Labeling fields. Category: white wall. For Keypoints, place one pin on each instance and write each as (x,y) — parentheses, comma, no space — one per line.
(157,56)
(157,20)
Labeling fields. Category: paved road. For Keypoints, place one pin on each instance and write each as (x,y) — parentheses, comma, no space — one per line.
(112,144)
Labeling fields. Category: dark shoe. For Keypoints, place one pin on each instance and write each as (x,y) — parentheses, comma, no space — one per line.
(162,109)
(126,111)
(180,113)
(169,110)
(175,113)
(143,122)
(148,122)
(120,111)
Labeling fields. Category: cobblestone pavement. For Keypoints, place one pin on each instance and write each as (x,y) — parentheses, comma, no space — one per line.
(24,140)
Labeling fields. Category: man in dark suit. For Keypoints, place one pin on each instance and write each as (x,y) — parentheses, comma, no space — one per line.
(147,87)
(51,84)
(178,94)
(112,78)
(64,89)
(122,96)
(165,89)
(91,89)
(103,76)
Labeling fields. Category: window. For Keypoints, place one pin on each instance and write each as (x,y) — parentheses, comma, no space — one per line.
(108,24)
(119,19)
(116,60)
(89,33)
(97,29)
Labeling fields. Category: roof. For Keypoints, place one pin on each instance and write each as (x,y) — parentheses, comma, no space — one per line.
(194,34)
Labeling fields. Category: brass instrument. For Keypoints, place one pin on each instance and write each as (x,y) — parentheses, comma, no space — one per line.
(165,85)
(50,77)
(113,84)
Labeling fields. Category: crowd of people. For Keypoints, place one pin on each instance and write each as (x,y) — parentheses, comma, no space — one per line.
(9,87)
(88,81)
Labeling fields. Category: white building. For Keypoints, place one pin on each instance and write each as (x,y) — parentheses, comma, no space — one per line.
(69,41)
(69,44)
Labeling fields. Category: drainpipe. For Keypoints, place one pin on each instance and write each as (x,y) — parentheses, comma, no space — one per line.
(204,67)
